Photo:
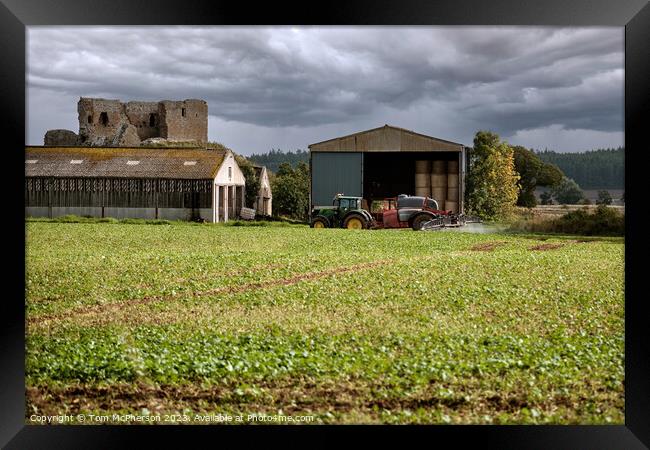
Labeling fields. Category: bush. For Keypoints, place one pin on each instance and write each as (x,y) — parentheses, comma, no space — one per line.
(546,198)
(604,198)
(567,192)
(527,199)
(603,222)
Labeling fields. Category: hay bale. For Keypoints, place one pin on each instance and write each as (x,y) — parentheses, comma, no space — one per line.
(422,180)
(452,166)
(439,167)
(452,180)
(452,193)
(439,194)
(422,167)
(423,191)
(438,180)
(451,206)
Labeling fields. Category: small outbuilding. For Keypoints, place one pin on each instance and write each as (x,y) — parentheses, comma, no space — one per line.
(386,162)
(264,196)
(133,182)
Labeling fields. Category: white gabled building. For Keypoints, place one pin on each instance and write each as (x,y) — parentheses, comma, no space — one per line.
(263,201)
(133,182)
(229,190)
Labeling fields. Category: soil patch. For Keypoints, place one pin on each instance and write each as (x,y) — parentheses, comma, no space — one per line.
(487,246)
(470,402)
(543,247)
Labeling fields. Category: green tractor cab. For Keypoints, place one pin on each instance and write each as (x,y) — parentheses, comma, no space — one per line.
(345,212)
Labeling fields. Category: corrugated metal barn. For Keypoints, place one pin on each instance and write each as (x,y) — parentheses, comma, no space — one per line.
(133,182)
(385,162)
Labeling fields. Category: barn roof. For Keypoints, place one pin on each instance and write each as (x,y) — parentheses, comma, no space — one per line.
(386,138)
(123,162)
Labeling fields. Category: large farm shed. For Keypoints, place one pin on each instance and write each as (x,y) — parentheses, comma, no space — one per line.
(386,162)
(133,182)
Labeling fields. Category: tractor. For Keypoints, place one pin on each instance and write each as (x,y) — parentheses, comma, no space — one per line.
(345,212)
(406,211)
(418,213)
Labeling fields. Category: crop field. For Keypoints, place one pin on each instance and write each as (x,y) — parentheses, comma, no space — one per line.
(344,326)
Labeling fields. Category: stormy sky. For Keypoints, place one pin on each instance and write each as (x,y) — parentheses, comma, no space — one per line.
(288,87)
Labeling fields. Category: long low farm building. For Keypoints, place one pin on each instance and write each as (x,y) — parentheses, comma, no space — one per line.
(133,182)
(386,162)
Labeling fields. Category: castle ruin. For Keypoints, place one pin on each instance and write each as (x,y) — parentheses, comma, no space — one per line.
(112,123)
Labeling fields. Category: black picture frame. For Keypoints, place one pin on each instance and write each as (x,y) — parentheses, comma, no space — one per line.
(634,15)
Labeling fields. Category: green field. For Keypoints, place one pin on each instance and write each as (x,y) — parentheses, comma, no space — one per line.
(386,326)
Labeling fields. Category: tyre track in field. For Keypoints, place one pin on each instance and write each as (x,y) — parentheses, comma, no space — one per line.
(106,308)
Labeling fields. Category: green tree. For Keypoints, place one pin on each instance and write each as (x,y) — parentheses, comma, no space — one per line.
(549,175)
(546,198)
(533,172)
(492,183)
(252,180)
(567,192)
(291,191)
(528,166)
(604,198)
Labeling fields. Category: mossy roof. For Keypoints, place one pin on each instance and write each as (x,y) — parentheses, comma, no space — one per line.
(123,162)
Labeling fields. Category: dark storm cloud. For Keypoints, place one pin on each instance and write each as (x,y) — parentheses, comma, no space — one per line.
(507,79)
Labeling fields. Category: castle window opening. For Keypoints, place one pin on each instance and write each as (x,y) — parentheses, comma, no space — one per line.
(90,119)
(152,120)
(103,118)
(183,112)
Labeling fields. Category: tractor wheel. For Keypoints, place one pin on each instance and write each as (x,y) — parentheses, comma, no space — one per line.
(418,221)
(319,222)
(355,222)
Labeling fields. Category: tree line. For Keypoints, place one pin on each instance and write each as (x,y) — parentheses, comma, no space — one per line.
(274,158)
(595,169)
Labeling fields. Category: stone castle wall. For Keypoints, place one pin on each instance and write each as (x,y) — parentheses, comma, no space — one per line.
(145,117)
(184,120)
(104,122)
(99,118)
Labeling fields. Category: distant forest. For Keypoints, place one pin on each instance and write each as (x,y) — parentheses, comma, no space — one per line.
(594,169)
(274,158)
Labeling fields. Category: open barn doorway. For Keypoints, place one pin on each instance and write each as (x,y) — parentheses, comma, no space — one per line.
(389,174)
